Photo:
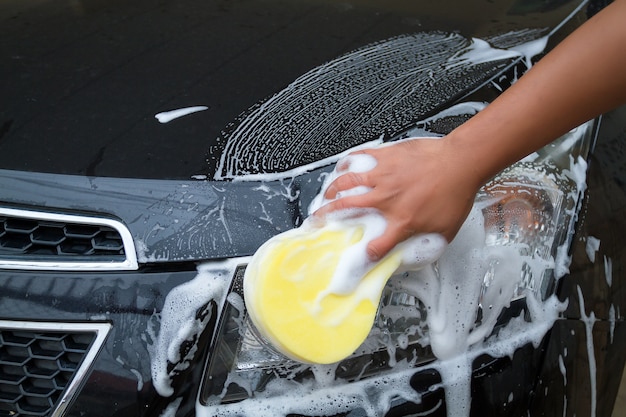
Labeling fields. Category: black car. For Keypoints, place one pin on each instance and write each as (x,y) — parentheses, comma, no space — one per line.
(148,148)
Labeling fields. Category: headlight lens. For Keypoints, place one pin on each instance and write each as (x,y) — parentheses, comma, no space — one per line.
(530,207)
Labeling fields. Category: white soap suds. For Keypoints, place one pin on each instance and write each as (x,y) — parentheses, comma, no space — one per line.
(172,408)
(373,396)
(531,49)
(354,263)
(564,374)
(612,321)
(466,273)
(397,79)
(563,370)
(308,167)
(469,277)
(452,288)
(179,321)
(608,270)
(563,260)
(460,109)
(350,163)
(592,246)
(479,52)
(456,377)
(135,372)
(589,321)
(168,116)
(577,173)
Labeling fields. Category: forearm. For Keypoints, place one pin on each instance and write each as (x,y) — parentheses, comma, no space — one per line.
(581,78)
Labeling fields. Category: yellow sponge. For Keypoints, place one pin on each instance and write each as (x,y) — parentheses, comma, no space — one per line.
(312,292)
(290,292)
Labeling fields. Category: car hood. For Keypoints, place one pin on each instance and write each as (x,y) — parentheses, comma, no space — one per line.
(82,81)
(270,87)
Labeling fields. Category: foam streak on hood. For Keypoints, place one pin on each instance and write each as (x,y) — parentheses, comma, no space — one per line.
(374,91)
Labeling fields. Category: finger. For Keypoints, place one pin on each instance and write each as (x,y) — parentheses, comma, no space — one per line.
(378,248)
(357,161)
(355,203)
(345,182)
(343,164)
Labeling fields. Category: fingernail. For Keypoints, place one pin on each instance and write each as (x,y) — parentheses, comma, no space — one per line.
(372,255)
(316,219)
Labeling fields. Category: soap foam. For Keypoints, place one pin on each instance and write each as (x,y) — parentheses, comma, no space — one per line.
(325,395)
(282,398)
(589,321)
(319,276)
(592,246)
(396,79)
(453,335)
(179,322)
(467,274)
(608,270)
(168,116)
(415,252)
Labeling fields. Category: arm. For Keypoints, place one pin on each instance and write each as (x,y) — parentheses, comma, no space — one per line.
(427,186)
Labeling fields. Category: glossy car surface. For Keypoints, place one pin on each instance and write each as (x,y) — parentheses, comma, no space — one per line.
(123,238)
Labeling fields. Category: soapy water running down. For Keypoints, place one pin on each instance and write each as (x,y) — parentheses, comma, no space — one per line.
(482,270)
(472,273)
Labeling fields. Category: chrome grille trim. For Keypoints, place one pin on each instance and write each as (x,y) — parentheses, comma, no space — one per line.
(66,263)
(101,331)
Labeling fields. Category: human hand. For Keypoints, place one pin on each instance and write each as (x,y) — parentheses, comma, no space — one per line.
(418,185)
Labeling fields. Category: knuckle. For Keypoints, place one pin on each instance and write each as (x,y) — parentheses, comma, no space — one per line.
(331,191)
(341,204)
(373,251)
(343,164)
(350,180)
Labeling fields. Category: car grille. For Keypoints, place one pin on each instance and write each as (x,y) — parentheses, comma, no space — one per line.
(43,240)
(32,237)
(40,367)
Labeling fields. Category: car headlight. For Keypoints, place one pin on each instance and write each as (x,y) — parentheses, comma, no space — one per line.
(530,209)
